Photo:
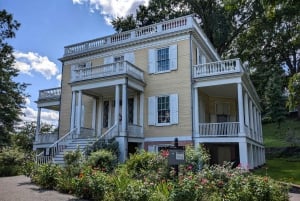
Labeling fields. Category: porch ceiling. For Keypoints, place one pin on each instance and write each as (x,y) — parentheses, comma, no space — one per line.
(228,90)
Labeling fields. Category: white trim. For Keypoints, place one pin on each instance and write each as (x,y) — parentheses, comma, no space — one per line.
(135,111)
(98,84)
(94,114)
(214,82)
(135,85)
(73,105)
(48,104)
(157,139)
(141,122)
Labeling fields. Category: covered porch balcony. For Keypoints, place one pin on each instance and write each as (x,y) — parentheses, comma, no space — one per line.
(108,99)
(49,99)
(225,109)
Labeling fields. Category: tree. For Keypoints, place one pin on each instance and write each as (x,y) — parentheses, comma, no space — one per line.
(274,100)
(12,97)
(294,93)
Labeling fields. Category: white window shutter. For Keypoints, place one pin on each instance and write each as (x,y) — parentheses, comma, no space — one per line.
(173,57)
(108,60)
(88,64)
(174,108)
(129,57)
(152,110)
(151,60)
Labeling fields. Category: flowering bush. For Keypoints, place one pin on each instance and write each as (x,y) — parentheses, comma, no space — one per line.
(103,160)
(91,184)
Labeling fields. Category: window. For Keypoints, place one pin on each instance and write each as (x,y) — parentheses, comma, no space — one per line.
(162,59)
(118,58)
(163,110)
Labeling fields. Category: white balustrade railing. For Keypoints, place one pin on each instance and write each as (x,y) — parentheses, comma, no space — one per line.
(219,129)
(46,138)
(135,131)
(50,93)
(135,34)
(56,147)
(217,68)
(117,68)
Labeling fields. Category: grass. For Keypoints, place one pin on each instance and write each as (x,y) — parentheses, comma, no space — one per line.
(277,137)
(281,169)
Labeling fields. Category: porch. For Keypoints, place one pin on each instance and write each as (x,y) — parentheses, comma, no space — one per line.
(225,103)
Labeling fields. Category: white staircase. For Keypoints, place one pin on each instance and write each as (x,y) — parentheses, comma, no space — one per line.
(73,145)
(71,142)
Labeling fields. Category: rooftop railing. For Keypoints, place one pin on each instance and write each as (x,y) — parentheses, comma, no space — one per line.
(139,33)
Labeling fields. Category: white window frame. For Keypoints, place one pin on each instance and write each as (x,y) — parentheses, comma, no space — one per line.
(152,59)
(153,110)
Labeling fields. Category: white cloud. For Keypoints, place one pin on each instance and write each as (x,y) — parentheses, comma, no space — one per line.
(58,77)
(113,8)
(31,61)
(47,116)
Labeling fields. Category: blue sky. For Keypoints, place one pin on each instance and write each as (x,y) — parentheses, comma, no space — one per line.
(49,25)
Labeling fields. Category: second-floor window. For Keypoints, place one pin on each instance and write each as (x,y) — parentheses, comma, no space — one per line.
(163,62)
(163,59)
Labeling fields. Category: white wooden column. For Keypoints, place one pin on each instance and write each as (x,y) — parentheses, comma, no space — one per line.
(135,110)
(243,155)
(79,112)
(141,122)
(255,123)
(251,159)
(241,108)
(73,108)
(99,116)
(109,121)
(38,124)
(117,104)
(246,106)
(260,128)
(124,110)
(196,113)
(94,113)
(251,118)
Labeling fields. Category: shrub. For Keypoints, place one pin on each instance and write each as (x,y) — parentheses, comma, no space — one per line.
(72,157)
(65,182)
(196,158)
(11,160)
(126,189)
(46,175)
(103,160)
(147,165)
(91,184)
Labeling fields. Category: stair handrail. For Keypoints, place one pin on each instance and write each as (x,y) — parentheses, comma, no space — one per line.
(101,137)
(54,148)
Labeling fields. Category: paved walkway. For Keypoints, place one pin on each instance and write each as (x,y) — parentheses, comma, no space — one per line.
(19,188)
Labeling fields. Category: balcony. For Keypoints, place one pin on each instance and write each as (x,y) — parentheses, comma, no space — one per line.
(225,129)
(47,94)
(169,26)
(218,68)
(106,70)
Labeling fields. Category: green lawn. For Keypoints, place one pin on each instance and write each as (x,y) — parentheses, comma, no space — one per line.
(277,137)
(282,170)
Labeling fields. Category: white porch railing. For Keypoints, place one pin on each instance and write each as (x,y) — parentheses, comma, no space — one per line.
(46,138)
(53,93)
(118,68)
(135,34)
(219,129)
(218,68)
(135,131)
(55,148)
